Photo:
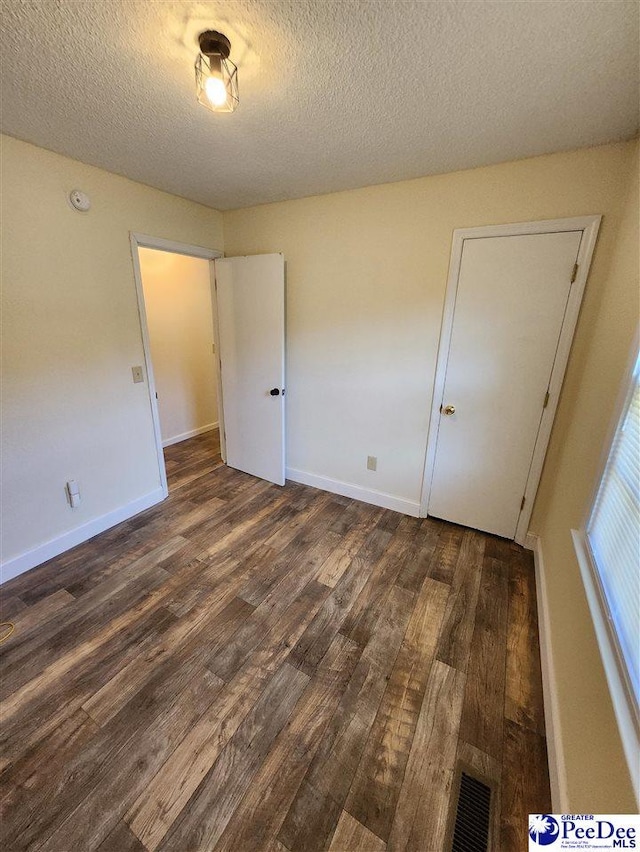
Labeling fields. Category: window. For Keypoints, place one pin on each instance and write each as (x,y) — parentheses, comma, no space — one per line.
(608,550)
(613,536)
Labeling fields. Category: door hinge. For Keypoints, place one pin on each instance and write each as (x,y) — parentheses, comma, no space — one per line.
(522,504)
(546,400)
(574,274)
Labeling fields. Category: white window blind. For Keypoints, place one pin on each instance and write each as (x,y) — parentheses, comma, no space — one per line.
(613,536)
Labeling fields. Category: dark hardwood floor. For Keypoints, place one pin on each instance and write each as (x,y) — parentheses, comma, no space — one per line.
(247,667)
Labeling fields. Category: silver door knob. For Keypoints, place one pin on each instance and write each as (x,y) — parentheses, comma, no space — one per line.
(449,410)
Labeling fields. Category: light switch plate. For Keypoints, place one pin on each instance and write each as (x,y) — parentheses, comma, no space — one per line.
(137,374)
(372,462)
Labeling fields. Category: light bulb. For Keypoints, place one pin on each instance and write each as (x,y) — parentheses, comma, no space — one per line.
(216,91)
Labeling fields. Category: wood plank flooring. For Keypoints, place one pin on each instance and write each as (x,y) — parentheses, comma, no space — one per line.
(247,667)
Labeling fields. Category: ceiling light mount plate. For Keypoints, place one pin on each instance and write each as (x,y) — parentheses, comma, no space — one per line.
(213,43)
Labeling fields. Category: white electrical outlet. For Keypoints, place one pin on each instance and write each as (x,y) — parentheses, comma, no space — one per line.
(372,462)
(137,374)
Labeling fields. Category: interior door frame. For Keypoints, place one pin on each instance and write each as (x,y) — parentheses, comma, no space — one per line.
(137,241)
(589,226)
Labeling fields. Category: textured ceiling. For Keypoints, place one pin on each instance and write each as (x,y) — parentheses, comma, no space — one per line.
(334,94)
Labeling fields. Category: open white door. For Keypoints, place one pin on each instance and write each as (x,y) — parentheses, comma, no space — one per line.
(250,308)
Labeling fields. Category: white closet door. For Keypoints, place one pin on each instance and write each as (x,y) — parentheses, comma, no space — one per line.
(510,303)
(250,306)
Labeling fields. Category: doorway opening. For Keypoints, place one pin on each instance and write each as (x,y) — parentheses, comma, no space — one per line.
(246,298)
(178,319)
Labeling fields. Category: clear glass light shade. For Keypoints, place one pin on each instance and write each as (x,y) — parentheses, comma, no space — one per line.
(217,83)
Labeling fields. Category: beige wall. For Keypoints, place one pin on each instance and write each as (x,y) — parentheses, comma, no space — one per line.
(177,295)
(597,774)
(70,336)
(366,278)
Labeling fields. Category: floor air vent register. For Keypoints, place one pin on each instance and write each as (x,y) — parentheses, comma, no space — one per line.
(472,816)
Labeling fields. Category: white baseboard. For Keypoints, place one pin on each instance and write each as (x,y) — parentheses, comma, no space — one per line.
(555,752)
(357,492)
(19,564)
(191,434)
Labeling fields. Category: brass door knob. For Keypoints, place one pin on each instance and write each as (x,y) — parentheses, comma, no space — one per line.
(449,410)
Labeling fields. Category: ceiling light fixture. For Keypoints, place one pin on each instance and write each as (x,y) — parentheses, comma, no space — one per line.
(216,75)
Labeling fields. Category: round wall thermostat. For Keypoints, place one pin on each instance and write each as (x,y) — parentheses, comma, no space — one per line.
(80,200)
